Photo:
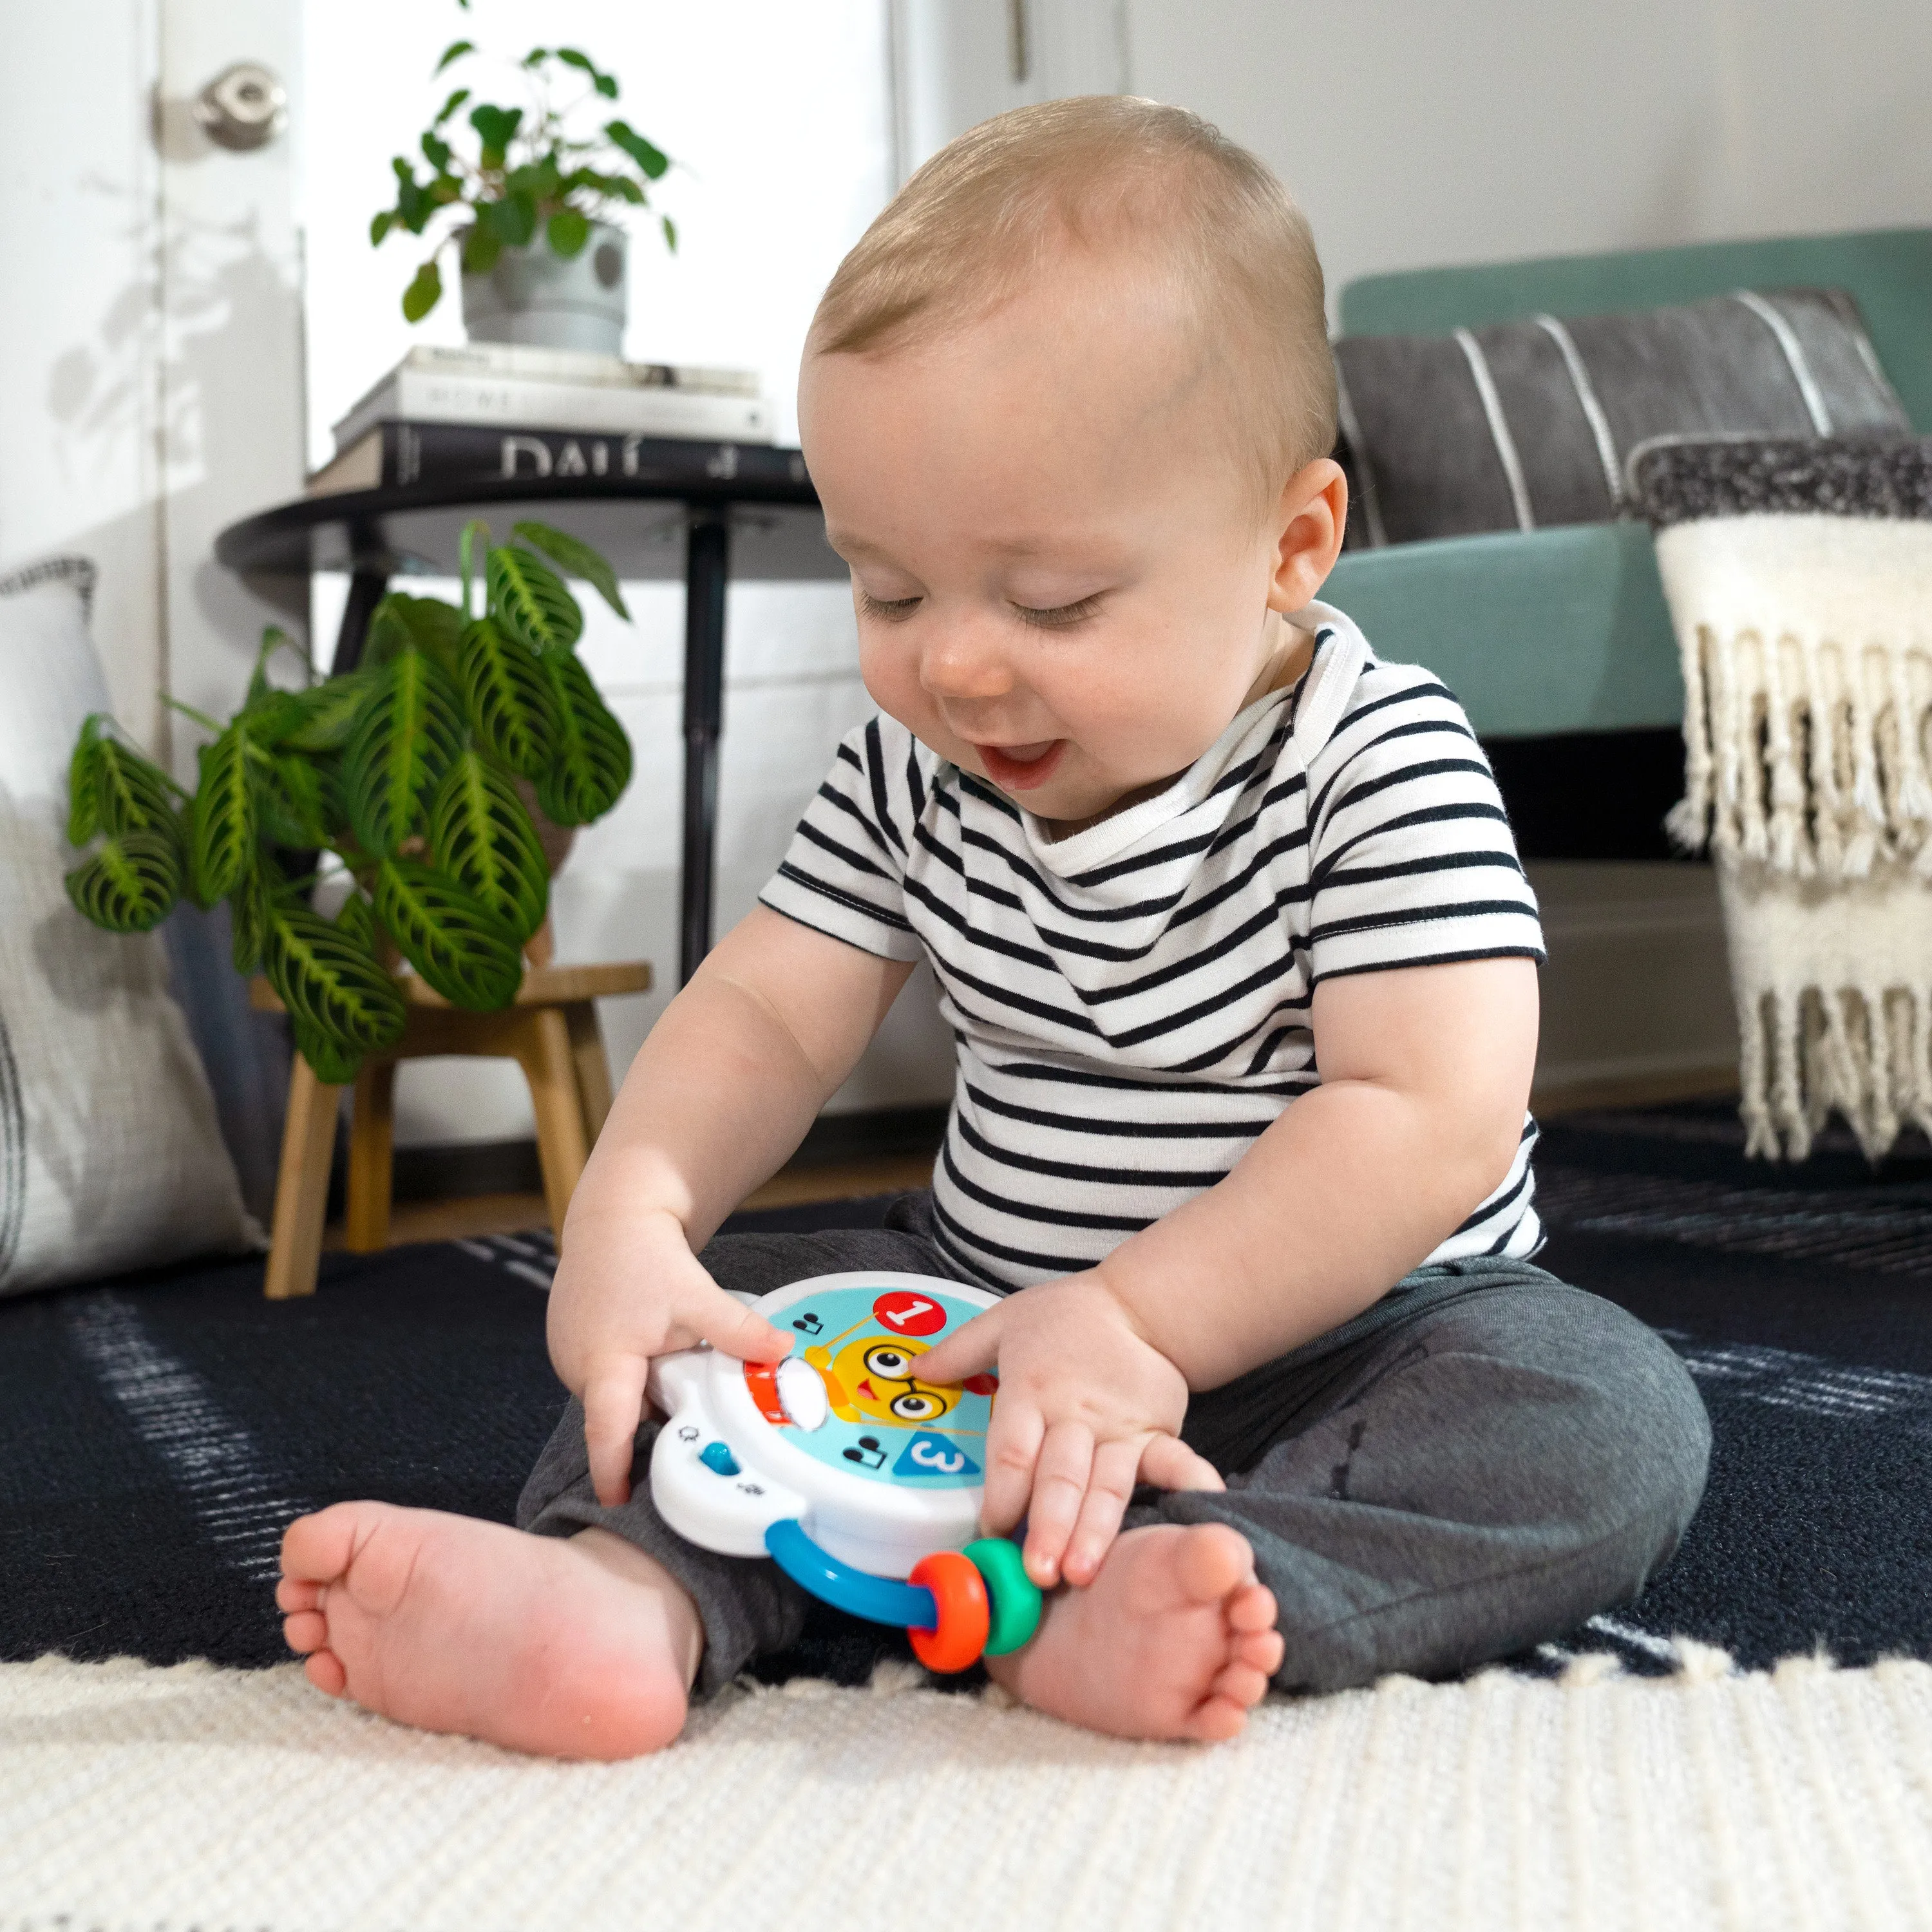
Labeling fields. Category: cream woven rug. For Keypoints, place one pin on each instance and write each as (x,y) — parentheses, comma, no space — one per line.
(137,1797)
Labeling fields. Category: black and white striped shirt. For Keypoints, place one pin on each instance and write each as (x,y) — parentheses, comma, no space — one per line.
(1131,1003)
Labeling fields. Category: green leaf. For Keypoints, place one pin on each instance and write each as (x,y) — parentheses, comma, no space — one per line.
(496,128)
(247,915)
(408,729)
(571,554)
(460,948)
(112,788)
(567,232)
(223,848)
(450,106)
(357,918)
(418,623)
(454,51)
(529,599)
(512,705)
(272,718)
(436,151)
(536,57)
(326,711)
(651,160)
(379,225)
(334,1064)
(516,219)
(603,83)
(669,228)
(593,761)
(332,985)
(298,802)
(481,245)
(483,839)
(130,883)
(475,531)
(423,293)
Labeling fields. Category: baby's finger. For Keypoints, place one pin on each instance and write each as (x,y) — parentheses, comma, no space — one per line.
(1060,1481)
(728,1325)
(1169,1464)
(976,1347)
(613,1404)
(1109,1489)
(1012,1449)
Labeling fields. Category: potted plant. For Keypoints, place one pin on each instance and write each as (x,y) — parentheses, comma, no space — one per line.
(529,202)
(413,768)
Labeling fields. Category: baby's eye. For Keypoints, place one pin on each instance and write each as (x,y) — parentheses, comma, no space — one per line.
(892,610)
(1058,617)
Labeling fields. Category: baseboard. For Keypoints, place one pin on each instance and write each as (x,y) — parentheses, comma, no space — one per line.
(457,1170)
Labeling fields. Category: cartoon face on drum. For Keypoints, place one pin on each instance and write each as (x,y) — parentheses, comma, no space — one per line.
(874,1379)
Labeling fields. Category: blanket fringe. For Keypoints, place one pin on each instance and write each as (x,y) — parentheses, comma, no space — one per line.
(1806,644)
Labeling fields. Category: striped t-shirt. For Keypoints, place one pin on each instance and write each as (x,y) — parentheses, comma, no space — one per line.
(1131,1003)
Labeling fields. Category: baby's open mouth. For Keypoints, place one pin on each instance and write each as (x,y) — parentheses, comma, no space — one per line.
(1020,767)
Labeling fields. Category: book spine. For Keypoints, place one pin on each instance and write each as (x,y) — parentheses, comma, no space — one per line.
(414,452)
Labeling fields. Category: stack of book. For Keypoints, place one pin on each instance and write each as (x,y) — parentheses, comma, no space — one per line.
(497,411)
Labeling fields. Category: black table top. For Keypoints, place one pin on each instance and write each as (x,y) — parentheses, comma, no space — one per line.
(411,529)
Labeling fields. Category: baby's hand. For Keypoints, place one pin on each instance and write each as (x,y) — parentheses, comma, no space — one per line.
(628,1289)
(1086,1408)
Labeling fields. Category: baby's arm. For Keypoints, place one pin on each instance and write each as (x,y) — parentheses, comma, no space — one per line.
(1425,1076)
(718,1097)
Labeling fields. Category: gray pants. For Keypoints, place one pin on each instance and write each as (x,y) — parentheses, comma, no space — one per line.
(1478,1461)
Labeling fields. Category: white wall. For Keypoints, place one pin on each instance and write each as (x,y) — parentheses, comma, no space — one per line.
(1416,134)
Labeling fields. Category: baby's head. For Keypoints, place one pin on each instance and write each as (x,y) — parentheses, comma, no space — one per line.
(1069,404)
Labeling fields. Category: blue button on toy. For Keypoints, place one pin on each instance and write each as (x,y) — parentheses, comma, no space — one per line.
(717,1458)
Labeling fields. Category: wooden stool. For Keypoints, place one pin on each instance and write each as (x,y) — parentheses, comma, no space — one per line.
(551,1032)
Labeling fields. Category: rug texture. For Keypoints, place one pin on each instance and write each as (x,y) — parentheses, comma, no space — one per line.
(137,1797)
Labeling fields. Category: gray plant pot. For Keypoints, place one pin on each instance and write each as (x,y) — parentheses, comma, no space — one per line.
(534,296)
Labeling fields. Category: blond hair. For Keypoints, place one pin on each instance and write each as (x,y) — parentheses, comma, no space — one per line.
(1107,171)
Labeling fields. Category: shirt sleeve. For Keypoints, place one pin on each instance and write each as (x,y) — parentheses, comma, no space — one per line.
(1412,860)
(843,872)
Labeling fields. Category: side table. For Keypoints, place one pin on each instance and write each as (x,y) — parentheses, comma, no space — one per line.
(551,1031)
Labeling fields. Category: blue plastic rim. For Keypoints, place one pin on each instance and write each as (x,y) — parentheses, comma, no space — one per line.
(880,1600)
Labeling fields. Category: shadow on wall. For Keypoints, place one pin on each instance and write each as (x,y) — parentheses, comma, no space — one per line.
(176,374)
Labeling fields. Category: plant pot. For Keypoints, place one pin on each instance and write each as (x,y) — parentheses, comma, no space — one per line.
(536,297)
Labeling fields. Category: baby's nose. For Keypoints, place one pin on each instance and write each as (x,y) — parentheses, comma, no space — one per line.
(964,664)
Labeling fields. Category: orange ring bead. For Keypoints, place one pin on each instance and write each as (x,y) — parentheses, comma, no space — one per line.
(965,1613)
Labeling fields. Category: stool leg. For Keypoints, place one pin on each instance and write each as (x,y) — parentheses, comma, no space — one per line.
(301,1186)
(543,1050)
(593,1066)
(372,1140)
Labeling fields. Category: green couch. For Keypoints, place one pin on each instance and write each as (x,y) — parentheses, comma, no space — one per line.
(1550,633)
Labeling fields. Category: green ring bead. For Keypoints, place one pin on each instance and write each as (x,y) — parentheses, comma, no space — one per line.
(1013,1594)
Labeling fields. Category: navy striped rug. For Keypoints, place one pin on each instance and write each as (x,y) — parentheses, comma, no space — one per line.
(159,1432)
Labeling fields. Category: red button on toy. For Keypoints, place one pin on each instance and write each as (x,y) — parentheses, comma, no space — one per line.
(906,1312)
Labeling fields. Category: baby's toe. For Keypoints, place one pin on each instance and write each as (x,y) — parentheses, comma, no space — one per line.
(1215,1720)
(1251,1609)
(1240,1684)
(1213,1561)
(317,1548)
(323,1669)
(298,1593)
(1263,1649)
(304,1631)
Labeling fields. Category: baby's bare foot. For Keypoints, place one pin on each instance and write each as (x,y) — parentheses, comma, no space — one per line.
(1174,1638)
(577,1648)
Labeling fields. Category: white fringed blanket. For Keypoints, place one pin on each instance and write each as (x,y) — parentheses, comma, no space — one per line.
(1799,578)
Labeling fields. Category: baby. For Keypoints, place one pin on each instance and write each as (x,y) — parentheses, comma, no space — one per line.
(1230,929)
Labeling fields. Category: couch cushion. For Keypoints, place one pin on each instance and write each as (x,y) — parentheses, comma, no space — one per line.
(110,1157)
(1521,425)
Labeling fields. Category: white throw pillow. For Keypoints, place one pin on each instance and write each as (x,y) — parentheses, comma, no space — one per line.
(110,1157)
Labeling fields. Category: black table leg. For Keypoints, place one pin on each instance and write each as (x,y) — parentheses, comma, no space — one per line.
(367,589)
(706,570)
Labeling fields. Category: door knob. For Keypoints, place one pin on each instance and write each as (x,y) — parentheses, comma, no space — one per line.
(243,106)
